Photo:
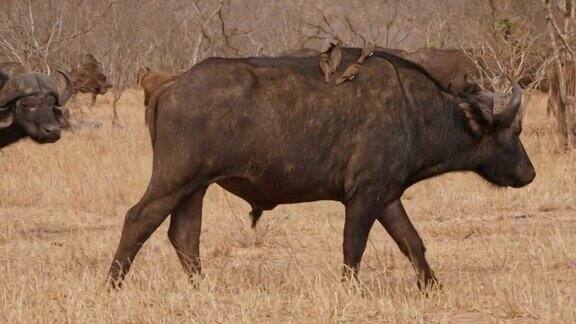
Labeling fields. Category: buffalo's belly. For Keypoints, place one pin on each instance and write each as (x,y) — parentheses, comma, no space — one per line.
(269,192)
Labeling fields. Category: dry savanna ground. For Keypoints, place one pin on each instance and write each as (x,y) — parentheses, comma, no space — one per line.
(501,254)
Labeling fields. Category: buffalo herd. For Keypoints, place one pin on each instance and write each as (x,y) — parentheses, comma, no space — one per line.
(281,130)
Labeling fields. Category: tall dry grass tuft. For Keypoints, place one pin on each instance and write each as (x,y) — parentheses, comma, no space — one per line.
(501,254)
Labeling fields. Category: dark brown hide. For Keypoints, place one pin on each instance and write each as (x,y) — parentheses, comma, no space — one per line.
(272,132)
(302,52)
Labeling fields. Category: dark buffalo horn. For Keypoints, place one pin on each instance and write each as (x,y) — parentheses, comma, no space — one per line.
(65,95)
(62,116)
(15,89)
(507,116)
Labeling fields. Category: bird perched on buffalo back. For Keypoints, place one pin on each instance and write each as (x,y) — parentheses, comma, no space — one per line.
(330,57)
(350,73)
(336,56)
(326,66)
(367,51)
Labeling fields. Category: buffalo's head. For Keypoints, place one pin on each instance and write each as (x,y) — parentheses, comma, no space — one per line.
(32,102)
(501,157)
(103,85)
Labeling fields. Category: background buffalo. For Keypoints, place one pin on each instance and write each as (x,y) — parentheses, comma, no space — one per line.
(89,77)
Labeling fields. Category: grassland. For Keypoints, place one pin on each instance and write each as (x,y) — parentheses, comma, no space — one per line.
(501,254)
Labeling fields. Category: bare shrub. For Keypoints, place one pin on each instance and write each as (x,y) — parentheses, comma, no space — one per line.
(562,33)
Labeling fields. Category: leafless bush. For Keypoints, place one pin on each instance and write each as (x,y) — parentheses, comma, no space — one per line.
(562,33)
(505,38)
(35,34)
(357,23)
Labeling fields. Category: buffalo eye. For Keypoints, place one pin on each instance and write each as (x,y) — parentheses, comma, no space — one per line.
(27,107)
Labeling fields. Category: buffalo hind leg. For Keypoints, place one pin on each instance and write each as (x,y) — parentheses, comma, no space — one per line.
(184,232)
(398,225)
(360,216)
(140,222)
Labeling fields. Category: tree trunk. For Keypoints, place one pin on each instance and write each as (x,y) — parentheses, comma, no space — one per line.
(564,107)
(115,117)
(563,95)
(571,120)
(568,104)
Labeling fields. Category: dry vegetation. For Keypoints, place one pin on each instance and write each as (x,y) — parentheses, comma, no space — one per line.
(500,254)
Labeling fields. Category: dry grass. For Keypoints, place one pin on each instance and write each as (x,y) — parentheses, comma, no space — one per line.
(500,254)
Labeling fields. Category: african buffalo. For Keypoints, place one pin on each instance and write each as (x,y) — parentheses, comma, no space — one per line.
(150,81)
(31,105)
(270,131)
(89,77)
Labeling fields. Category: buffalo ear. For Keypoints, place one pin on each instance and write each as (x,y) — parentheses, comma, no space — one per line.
(62,116)
(6,117)
(479,120)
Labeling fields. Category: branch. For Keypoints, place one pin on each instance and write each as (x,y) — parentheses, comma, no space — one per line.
(354,31)
(552,22)
(32,24)
(319,31)
(13,51)
(227,38)
(493,16)
(325,20)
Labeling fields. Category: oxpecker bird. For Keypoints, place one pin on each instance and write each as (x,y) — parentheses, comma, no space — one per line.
(326,66)
(350,73)
(336,56)
(367,51)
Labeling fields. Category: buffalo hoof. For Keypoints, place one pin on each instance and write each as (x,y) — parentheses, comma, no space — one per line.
(113,284)
(196,279)
(349,275)
(429,285)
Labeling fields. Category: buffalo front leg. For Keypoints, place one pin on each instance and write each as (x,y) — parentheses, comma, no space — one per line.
(93,100)
(255,214)
(398,225)
(140,222)
(184,232)
(360,216)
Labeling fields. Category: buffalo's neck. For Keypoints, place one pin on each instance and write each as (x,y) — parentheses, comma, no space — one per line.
(445,145)
(11,134)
